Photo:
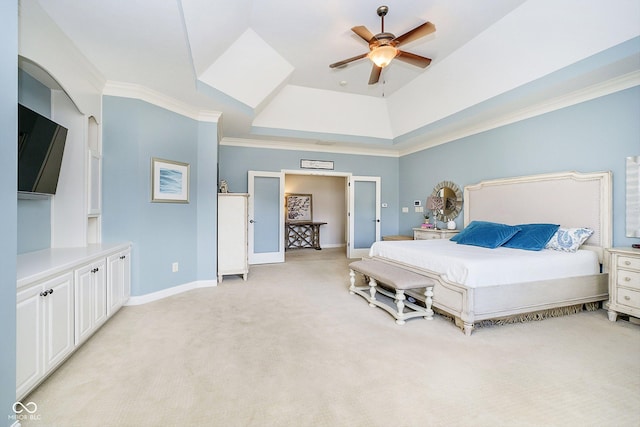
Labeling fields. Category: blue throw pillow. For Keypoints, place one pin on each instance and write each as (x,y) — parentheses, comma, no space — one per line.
(486,234)
(532,237)
(466,230)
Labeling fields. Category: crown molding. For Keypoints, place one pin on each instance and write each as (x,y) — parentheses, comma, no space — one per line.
(608,87)
(130,90)
(136,91)
(307,146)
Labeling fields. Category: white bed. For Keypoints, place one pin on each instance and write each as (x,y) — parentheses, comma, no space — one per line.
(476,284)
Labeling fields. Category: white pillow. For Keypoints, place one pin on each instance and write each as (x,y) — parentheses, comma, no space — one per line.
(569,239)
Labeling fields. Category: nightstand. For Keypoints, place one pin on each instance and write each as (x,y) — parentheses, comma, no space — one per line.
(624,282)
(430,233)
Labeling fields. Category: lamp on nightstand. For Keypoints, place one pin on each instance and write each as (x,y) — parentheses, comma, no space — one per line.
(435,204)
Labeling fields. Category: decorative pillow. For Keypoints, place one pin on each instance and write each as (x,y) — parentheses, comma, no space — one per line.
(466,230)
(532,237)
(569,239)
(486,234)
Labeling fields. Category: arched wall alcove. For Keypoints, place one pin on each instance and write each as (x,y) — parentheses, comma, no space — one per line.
(71,217)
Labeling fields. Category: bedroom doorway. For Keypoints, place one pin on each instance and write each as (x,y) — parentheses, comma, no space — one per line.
(353,219)
(350,205)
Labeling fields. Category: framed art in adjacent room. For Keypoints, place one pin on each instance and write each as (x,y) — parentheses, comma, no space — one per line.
(299,207)
(169,181)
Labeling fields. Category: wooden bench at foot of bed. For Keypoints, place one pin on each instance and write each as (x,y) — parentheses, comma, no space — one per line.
(397,278)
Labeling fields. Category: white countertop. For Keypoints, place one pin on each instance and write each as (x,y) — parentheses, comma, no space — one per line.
(33,266)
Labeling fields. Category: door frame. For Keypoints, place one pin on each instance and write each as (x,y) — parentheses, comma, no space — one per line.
(350,201)
(321,172)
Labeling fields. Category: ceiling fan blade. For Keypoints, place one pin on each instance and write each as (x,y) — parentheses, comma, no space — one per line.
(346,61)
(375,74)
(416,33)
(413,59)
(363,32)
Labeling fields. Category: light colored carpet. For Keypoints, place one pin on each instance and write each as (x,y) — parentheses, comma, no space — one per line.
(292,347)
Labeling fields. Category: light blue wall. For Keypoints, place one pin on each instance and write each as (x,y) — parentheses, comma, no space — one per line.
(235,162)
(34,225)
(162,233)
(33,94)
(592,136)
(8,205)
(34,216)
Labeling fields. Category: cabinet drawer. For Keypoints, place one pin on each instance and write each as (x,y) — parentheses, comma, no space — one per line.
(425,235)
(629,262)
(628,278)
(628,297)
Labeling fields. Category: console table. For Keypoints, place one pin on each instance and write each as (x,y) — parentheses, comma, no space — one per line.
(303,234)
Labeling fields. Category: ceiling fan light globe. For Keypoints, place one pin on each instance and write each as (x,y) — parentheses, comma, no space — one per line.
(382,56)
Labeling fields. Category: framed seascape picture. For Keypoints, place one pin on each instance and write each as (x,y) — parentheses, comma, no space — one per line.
(299,207)
(169,181)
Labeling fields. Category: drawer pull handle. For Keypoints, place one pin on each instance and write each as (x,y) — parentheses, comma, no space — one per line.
(627,297)
(44,293)
(627,279)
(627,263)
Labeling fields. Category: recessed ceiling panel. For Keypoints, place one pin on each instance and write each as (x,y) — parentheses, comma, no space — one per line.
(249,71)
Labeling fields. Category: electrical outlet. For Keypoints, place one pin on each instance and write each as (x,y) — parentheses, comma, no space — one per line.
(384,205)
(405,210)
(174,267)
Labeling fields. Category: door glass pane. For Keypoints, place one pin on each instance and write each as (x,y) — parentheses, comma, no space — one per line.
(364,233)
(267,205)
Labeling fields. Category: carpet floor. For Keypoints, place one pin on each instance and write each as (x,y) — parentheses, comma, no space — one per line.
(292,347)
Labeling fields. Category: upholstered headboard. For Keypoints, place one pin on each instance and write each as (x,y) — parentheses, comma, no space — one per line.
(571,199)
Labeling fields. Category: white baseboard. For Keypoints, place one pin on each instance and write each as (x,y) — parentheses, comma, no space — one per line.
(333,245)
(154,296)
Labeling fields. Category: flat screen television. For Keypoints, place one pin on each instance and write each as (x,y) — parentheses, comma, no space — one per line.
(40,149)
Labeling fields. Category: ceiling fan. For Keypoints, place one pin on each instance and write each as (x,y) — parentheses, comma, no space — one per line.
(383,47)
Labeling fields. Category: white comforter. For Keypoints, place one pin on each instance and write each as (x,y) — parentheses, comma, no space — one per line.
(474,266)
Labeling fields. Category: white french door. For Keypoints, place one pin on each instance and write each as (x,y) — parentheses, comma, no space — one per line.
(266,217)
(364,215)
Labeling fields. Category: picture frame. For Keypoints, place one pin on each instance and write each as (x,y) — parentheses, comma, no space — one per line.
(316,164)
(299,207)
(169,181)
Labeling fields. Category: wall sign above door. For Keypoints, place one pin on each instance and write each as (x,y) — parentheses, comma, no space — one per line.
(316,164)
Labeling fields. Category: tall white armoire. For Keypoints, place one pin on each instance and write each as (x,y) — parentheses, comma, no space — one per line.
(232,234)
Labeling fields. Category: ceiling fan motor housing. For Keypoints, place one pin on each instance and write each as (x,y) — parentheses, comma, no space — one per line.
(381,39)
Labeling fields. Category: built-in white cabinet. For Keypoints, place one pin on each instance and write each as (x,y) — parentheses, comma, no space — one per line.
(90,299)
(63,296)
(45,325)
(233,234)
(118,280)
